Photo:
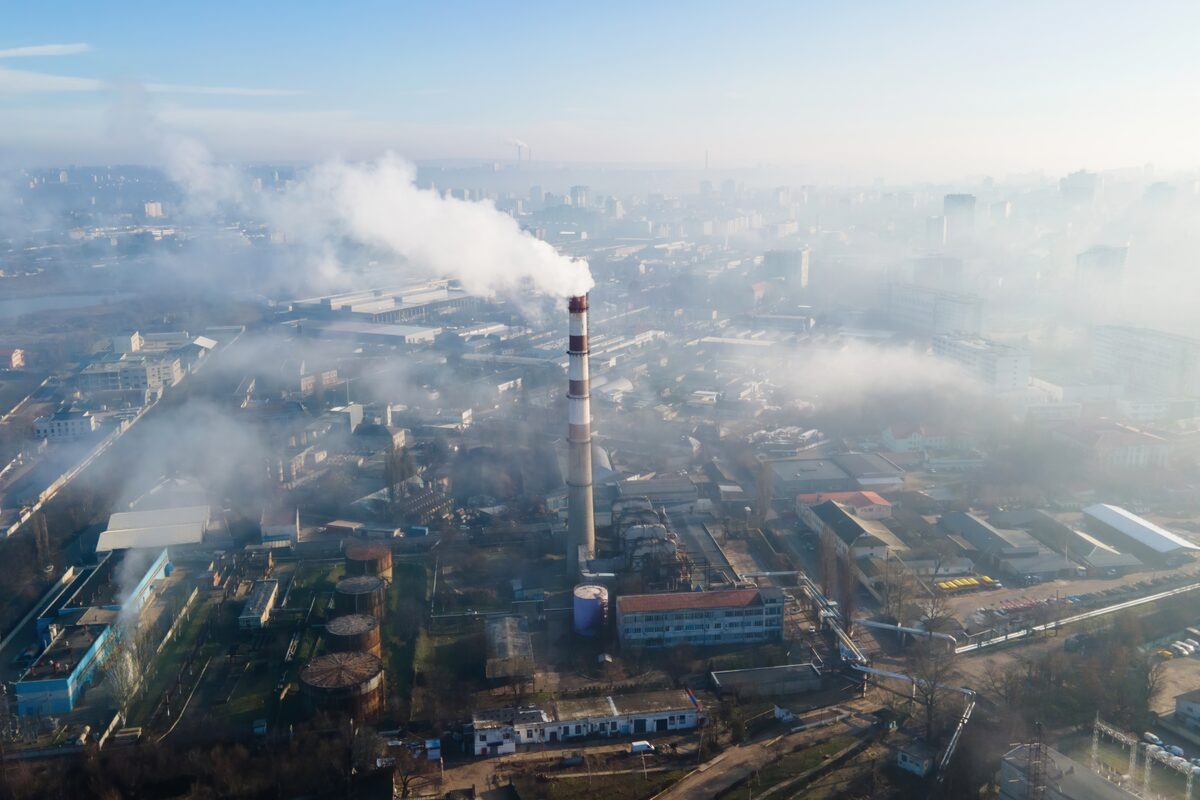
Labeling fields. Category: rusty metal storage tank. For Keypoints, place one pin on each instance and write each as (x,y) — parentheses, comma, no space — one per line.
(360,594)
(354,633)
(349,684)
(374,558)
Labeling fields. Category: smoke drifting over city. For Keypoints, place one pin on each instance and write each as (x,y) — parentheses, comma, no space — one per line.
(770,400)
(377,205)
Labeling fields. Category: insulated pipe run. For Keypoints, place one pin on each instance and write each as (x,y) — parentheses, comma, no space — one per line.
(581,528)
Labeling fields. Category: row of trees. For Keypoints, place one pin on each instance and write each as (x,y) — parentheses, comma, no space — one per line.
(1111,675)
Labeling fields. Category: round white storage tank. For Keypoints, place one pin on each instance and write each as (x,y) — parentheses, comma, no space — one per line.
(591,607)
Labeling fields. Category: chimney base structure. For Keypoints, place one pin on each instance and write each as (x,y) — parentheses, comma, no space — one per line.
(581,524)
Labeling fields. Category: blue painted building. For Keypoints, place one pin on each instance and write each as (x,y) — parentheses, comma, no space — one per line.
(79,626)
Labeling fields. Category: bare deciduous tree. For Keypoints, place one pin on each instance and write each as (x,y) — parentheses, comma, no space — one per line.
(126,662)
(896,589)
(931,665)
(407,770)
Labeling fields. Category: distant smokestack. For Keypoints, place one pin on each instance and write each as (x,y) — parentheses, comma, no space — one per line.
(581,526)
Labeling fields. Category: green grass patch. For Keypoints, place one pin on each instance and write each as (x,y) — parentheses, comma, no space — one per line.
(254,696)
(407,605)
(318,576)
(633,786)
(448,671)
(169,661)
(791,765)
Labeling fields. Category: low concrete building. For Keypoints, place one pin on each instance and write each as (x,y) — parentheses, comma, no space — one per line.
(733,616)
(662,490)
(77,631)
(1187,709)
(768,682)
(501,731)
(257,611)
(861,538)
(124,371)
(870,470)
(509,650)
(279,527)
(916,757)
(64,425)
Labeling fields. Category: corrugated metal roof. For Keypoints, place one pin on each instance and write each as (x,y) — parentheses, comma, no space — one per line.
(1140,530)
(158,528)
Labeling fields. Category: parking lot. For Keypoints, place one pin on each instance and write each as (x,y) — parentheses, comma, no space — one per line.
(1013,607)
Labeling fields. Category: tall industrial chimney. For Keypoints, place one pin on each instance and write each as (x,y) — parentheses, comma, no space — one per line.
(581,525)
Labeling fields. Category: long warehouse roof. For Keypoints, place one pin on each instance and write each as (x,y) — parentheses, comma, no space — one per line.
(156,528)
(1140,530)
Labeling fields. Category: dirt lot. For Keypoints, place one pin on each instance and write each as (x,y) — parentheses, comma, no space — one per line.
(1179,675)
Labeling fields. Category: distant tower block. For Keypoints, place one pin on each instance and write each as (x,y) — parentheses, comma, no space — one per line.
(581,525)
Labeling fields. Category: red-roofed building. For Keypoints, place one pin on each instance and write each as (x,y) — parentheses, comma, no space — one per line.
(864,505)
(12,358)
(730,616)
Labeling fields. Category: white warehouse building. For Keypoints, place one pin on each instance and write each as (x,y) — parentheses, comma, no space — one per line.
(1129,530)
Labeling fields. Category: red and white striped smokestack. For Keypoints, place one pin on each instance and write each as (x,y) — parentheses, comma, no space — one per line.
(581,526)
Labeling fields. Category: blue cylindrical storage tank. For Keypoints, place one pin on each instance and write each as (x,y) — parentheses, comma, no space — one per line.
(590,608)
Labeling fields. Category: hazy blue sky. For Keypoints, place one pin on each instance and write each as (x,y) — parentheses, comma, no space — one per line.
(891,89)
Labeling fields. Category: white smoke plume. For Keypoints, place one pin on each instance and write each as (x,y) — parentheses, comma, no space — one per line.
(378,205)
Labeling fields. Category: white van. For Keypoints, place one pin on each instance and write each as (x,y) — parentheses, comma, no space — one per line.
(636,748)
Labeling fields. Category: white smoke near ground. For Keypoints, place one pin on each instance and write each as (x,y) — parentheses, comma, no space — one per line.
(861,386)
(849,373)
(418,233)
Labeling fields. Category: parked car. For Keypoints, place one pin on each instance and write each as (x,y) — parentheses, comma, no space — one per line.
(1175,750)
(636,748)
(1151,738)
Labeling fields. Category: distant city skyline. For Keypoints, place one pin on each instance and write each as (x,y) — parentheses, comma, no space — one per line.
(852,92)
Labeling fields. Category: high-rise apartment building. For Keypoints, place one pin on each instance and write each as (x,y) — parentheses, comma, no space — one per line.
(959,211)
(1002,368)
(935,311)
(1146,361)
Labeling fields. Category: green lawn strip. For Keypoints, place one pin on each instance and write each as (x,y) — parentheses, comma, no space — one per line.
(633,786)
(168,662)
(793,764)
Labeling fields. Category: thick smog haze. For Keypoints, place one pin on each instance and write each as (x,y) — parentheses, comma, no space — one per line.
(844,91)
(637,401)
